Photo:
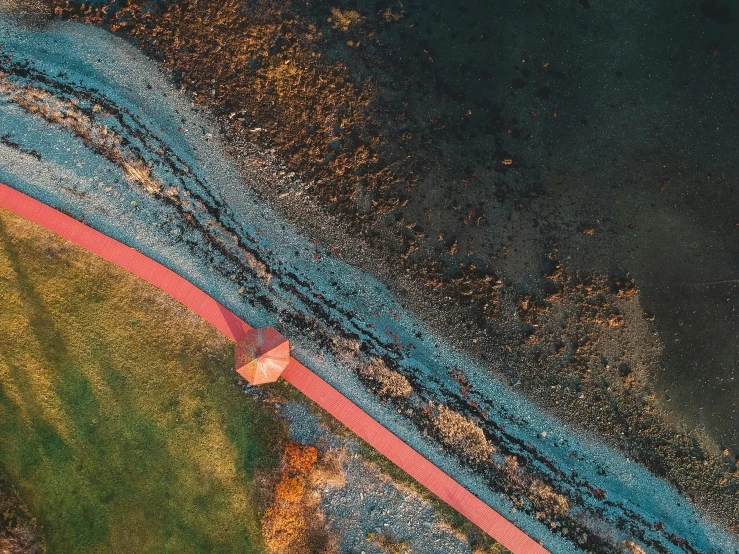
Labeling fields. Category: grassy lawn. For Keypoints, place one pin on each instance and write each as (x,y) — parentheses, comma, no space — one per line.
(120,422)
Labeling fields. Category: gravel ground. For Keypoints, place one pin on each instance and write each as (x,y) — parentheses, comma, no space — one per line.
(369,502)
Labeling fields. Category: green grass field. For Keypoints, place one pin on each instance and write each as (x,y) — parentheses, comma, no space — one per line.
(121,424)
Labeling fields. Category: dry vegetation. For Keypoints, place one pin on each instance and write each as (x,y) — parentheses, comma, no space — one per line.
(389,382)
(284,523)
(459,433)
(544,497)
(139,173)
(69,115)
(387,544)
(294,522)
(632,548)
(546,502)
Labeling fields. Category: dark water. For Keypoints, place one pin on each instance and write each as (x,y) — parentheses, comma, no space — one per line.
(643,145)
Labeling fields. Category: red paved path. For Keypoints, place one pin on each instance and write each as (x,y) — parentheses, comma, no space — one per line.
(331,400)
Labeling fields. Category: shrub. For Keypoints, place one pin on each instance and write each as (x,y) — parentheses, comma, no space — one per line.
(284,523)
(459,433)
(391,383)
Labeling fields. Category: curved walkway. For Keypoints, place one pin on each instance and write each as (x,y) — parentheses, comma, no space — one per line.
(302,378)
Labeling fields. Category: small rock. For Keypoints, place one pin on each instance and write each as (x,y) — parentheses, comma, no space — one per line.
(515,381)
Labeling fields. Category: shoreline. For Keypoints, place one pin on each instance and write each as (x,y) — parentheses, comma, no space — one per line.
(236,197)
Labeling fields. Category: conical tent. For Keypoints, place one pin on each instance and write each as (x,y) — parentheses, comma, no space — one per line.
(262,355)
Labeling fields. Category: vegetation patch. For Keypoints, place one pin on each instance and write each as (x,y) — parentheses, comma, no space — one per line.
(291,524)
(460,433)
(389,382)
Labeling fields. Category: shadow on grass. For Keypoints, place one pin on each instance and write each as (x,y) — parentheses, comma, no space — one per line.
(118,478)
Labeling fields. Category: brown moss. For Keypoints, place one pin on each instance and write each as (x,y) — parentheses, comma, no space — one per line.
(344,19)
(632,548)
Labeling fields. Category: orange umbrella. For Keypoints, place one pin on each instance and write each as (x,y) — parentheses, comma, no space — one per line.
(261,355)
